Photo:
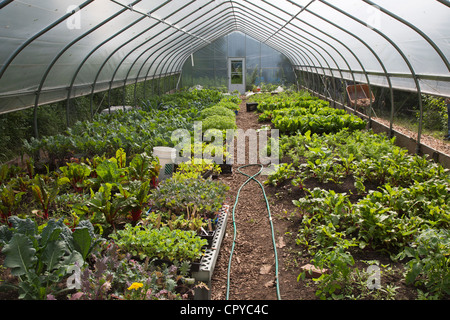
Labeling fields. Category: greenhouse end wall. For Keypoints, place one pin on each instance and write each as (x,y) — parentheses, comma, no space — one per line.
(208,67)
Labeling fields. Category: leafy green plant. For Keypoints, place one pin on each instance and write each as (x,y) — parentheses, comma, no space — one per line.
(346,281)
(283,172)
(113,275)
(195,168)
(40,257)
(177,195)
(430,261)
(162,243)
(106,205)
(109,172)
(338,262)
(134,131)
(45,191)
(435,115)
(218,122)
(318,123)
(217,110)
(76,174)
(139,192)
(9,201)
(191,222)
(231,102)
(327,219)
(144,167)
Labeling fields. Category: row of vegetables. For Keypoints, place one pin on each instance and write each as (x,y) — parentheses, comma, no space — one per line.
(399,203)
(87,217)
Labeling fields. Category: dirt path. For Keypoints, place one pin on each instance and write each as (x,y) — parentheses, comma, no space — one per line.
(252,275)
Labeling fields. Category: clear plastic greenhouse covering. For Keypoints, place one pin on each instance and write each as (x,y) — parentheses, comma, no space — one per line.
(52,50)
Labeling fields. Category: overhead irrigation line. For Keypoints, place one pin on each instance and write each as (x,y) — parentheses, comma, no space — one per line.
(235,231)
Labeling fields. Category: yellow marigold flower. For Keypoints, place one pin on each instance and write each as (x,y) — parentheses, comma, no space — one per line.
(135,286)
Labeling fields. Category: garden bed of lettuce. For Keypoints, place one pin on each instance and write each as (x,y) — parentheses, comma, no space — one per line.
(86,217)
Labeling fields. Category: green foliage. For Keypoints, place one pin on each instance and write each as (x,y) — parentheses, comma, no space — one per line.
(135,131)
(301,113)
(367,156)
(435,116)
(318,123)
(404,213)
(180,195)
(144,167)
(103,172)
(107,205)
(230,103)
(339,262)
(233,99)
(219,122)
(430,261)
(40,257)
(384,220)
(139,194)
(195,168)
(45,190)
(283,172)
(76,175)
(9,201)
(112,275)
(162,243)
(217,110)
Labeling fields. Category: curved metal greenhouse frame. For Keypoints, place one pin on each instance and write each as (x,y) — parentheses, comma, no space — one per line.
(57,50)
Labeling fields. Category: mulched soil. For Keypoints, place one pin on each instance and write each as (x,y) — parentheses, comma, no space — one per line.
(252,275)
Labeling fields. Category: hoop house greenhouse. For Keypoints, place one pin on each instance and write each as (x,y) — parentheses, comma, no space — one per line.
(215,150)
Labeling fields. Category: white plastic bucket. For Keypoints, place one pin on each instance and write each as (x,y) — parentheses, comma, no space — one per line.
(166,158)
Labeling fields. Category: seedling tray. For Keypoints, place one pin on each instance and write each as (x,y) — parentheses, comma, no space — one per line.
(208,261)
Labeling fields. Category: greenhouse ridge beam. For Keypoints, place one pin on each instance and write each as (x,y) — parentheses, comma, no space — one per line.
(288,22)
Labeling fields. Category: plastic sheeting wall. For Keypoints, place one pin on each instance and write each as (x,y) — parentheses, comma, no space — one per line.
(263,63)
(57,49)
